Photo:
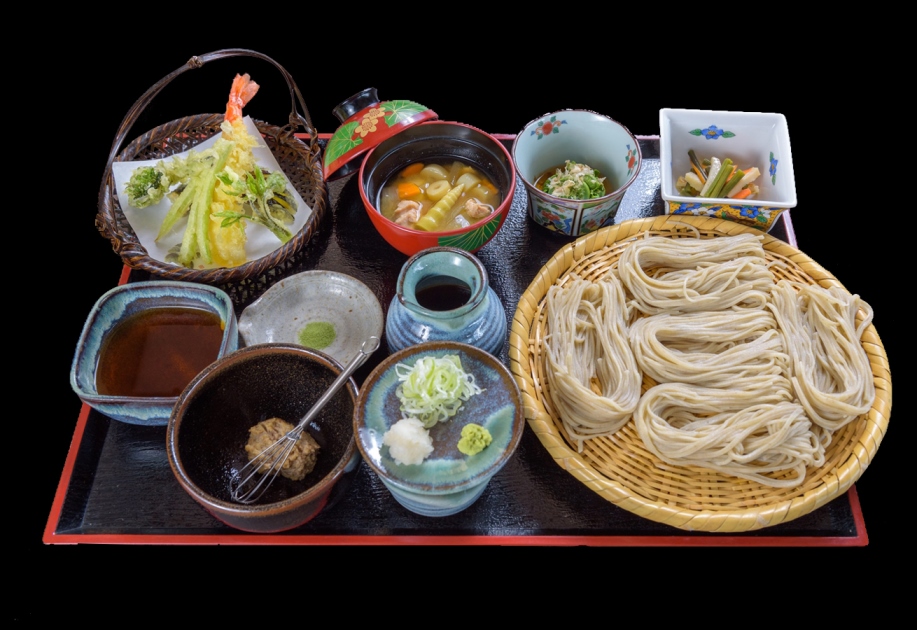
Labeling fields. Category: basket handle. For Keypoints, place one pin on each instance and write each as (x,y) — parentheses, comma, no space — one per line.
(296,119)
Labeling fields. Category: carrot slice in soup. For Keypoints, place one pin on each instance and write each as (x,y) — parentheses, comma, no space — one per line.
(407,190)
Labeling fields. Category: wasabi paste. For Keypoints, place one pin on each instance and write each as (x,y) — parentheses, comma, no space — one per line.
(474,439)
(317,335)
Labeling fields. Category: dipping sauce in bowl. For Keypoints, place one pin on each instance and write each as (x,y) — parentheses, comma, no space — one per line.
(440,292)
(157,352)
(144,342)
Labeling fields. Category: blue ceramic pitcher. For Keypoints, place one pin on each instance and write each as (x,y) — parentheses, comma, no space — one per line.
(443,295)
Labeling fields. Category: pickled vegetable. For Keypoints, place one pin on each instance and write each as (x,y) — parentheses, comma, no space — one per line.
(715,178)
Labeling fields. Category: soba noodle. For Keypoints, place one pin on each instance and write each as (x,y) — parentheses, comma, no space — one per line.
(741,433)
(753,377)
(830,372)
(728,349)
(593,378)
(684,275)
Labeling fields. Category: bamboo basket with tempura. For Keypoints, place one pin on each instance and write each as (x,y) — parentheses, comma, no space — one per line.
(299,160)
(620,467)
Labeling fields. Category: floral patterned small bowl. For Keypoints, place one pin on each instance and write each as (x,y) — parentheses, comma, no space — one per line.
(587,138)
(367,121)
(749,139)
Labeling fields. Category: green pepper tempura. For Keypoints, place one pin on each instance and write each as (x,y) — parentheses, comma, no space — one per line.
(575,181)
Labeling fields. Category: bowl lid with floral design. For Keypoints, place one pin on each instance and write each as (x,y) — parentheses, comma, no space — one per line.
(367,121)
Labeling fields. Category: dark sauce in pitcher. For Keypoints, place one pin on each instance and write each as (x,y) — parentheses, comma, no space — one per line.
(442,293)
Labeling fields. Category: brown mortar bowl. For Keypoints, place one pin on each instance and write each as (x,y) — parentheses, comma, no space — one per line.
(209,427)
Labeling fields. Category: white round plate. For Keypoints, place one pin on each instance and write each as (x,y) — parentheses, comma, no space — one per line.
(283,311)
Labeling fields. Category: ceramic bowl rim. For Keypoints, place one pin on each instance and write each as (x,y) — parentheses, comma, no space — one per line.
(227,508)
(151,401)
(501,209)
(619,192)
(485,357)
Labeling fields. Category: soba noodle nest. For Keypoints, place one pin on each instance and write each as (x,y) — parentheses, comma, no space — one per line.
(831,373)
(752,377)
(593,376)
(665,275)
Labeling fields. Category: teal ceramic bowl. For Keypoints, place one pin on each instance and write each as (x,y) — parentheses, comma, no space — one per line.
(447,481)
(123,303)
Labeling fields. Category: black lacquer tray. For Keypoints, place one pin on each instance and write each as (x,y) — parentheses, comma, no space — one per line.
(117,486)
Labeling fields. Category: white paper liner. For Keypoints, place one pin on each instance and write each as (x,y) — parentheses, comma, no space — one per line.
(146,221)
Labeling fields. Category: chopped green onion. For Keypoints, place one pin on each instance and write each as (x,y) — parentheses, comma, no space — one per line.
(434,389)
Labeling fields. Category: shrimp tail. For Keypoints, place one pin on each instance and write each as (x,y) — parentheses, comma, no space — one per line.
(242,91)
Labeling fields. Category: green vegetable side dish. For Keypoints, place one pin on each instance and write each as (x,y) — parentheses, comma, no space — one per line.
(575,181)
(712,178)
(317,335)
(475,439)
(433,389)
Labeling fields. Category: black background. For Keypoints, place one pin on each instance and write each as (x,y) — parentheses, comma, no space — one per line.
(844,220)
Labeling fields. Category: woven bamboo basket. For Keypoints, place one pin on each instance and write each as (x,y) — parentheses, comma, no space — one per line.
(620,468)
(301,163)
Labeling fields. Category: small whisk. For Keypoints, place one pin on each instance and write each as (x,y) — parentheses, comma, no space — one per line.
(248,484)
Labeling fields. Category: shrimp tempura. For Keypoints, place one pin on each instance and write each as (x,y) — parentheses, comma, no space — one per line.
(229,242)
(242,91)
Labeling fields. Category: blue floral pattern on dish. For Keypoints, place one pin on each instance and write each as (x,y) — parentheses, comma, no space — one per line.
(772,170)
(751,212)
(761,217)
(689,208)
(594,220)
(712,133)
(555,220)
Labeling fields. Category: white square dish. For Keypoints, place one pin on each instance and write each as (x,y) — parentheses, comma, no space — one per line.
(749,139)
